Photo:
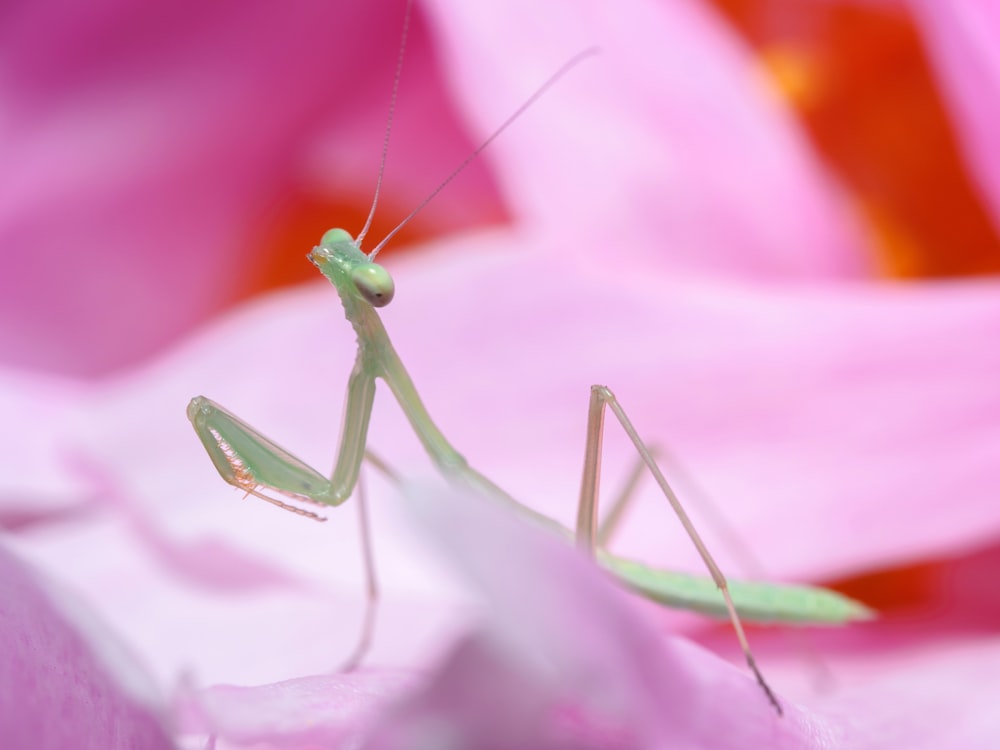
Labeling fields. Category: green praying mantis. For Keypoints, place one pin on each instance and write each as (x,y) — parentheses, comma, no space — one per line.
(248,460)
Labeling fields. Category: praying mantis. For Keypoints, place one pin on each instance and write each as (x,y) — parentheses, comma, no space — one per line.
(250,461)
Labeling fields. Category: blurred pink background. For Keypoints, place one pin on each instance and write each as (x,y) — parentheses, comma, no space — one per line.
(771,226)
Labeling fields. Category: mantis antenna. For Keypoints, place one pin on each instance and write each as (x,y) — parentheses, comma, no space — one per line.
(388,125)
(539,92)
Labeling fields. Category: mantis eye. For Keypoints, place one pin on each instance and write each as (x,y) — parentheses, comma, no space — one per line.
(374,284)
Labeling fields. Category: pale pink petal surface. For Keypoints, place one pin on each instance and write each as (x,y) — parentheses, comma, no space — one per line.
(562,660)
(317,711)
(64,680)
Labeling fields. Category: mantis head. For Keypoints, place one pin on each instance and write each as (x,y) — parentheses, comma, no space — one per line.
(340,260)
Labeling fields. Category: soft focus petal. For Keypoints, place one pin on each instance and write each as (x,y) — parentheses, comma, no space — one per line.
(189,623)
(209,563)
(319,711)
(34,485)
(667,148)
(962,39)
(147,150)
(64,681)
(560,660)
(562,627)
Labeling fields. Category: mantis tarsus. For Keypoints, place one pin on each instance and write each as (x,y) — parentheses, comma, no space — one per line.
(248,460)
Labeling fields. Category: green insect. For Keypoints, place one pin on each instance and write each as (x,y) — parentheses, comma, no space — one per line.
(248,460)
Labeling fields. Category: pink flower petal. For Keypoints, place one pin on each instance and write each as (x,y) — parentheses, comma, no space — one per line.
(64,682)
(558,625)
(667,149)
(250,635)
(146,150)
(323,710)
(152,177)
(37,411)
(561,661)
(206,562)
(558,640)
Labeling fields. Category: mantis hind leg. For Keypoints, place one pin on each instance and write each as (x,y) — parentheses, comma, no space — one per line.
(367,634)
(711,513)
(587,535)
